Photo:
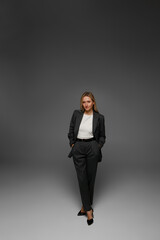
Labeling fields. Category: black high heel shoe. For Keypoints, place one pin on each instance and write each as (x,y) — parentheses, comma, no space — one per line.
(90,221)
(81,213)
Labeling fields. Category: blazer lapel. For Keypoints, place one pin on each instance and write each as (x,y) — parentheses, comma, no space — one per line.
(95,121)
(78,121)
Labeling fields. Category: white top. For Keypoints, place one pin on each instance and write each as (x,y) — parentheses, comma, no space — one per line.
(85,128)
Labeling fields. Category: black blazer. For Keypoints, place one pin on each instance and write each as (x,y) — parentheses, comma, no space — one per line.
(98,129)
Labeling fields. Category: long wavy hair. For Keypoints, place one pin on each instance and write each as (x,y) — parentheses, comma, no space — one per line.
(88,94)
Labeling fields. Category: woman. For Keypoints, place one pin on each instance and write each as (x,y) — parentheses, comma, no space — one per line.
(86,136)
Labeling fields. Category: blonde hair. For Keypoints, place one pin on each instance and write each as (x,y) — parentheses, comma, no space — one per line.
(88,94)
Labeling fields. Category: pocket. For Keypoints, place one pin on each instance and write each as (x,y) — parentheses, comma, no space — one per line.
(98,145)
(73,145)
(73,148)
(95,147)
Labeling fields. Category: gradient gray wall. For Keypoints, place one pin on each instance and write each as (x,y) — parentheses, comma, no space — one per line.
(53,51)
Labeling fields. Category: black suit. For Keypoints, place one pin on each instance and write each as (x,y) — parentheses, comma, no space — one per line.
(86,155)
(98,129)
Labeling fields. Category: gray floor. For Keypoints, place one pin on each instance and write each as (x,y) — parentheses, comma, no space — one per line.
(42,203)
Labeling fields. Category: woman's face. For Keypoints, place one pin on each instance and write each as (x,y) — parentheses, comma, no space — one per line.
(87,103)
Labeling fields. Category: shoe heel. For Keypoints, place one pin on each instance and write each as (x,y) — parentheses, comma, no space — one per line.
(81,213)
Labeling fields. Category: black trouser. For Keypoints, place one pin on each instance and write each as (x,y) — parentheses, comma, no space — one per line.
(85,158)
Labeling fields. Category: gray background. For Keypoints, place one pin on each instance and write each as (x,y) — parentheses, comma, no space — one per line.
(50,53)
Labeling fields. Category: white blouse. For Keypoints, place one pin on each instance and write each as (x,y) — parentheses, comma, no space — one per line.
(85,128)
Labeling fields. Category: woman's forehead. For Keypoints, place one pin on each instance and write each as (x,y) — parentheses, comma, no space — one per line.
(85,98)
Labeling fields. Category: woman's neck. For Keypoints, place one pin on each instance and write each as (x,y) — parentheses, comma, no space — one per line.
(89,113)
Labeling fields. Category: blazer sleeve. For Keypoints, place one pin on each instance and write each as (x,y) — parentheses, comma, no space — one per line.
(102,134)
(71,129)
